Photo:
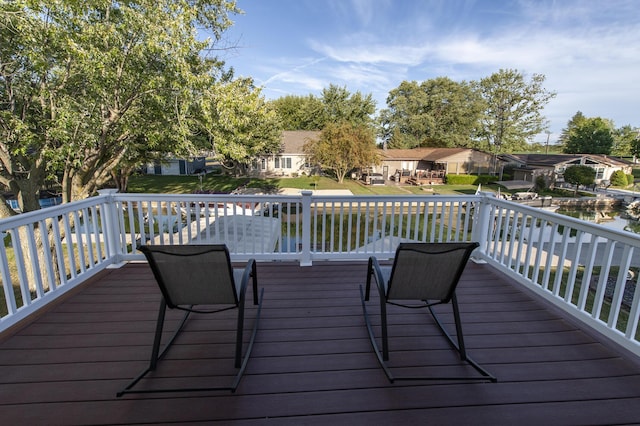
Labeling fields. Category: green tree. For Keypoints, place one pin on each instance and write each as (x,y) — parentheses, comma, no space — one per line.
(513,112)
(238,123)
(579,175)
(576,121)
(340,105)
(436,112)
(336,104)
(343,147)
(299,112)
(590,136)
(87,84)
(624,140)
(89,88)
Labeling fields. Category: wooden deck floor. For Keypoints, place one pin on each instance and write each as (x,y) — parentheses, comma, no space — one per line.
(312,363)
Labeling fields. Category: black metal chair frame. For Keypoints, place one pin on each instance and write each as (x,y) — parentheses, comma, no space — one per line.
(249,272)
(376,271)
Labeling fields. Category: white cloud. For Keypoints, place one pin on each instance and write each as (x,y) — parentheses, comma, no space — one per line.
(589,51)
(374,53)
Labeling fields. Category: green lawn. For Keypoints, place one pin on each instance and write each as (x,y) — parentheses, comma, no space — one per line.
(155,184)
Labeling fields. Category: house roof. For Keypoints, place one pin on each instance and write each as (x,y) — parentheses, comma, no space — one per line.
(551,160)
(294,140)
(424,154)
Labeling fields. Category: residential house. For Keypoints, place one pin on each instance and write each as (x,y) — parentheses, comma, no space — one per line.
(177,166)
(528,167)
(431,164)
(291,160)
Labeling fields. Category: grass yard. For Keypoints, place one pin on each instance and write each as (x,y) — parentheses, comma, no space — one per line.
(156,184)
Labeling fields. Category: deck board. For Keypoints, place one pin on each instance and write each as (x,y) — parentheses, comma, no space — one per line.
(312,362)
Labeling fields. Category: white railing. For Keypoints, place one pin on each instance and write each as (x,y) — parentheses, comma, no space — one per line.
(587,270)
(581,268)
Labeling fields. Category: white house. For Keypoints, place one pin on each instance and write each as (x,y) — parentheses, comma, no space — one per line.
(291,160)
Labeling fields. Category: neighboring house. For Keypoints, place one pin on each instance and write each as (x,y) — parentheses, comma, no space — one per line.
(431,164)
(529,167)
(175,166)
(291,160)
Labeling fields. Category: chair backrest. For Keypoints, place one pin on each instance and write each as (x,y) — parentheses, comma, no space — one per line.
(193,274)
(428,271)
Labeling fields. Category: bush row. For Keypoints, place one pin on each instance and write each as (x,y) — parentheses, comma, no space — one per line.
(470,179)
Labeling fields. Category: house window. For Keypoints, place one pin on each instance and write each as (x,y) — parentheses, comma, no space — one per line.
(282,162)
(263,164)
(599,172)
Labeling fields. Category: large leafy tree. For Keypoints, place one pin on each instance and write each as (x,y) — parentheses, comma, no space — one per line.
(336,104)
(340,105)
(437,112)
(300,112)
(513,112)
(590,136)
(343,147)
(90,86)
(625,141)
(238,123)
(577,120)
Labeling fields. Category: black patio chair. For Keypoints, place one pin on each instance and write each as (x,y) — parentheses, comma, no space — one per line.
(423,275)
(195,276)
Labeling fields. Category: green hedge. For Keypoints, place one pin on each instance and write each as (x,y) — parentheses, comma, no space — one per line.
(619,179)
(470,179)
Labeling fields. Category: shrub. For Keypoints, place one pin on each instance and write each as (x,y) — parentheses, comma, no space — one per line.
(469,179)
(541,183)
(618,178)
(630,179)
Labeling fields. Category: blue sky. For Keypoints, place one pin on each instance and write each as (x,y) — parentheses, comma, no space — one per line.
(589,50)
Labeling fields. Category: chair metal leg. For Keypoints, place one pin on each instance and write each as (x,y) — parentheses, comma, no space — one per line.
(254,276)
(239,333)
(252,340)
(156,355)
(370,272)
(372,338)
(385,334)
(456,315)
(239,362)
(459,347)
(158,336)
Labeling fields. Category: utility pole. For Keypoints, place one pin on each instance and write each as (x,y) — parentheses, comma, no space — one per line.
(546,149)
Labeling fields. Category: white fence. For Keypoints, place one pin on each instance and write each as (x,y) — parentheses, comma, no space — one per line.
(579,267)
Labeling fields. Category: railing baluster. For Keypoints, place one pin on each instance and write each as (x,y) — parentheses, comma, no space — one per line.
(7,282)
(46,253)
(522,241)
(618,292)
(602,282)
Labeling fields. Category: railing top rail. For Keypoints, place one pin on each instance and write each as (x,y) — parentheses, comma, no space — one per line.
(314,197)
(600,230)
(48,212)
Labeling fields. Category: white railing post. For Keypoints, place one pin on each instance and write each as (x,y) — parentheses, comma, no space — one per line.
(305,255)
(111,226)
(481,224)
